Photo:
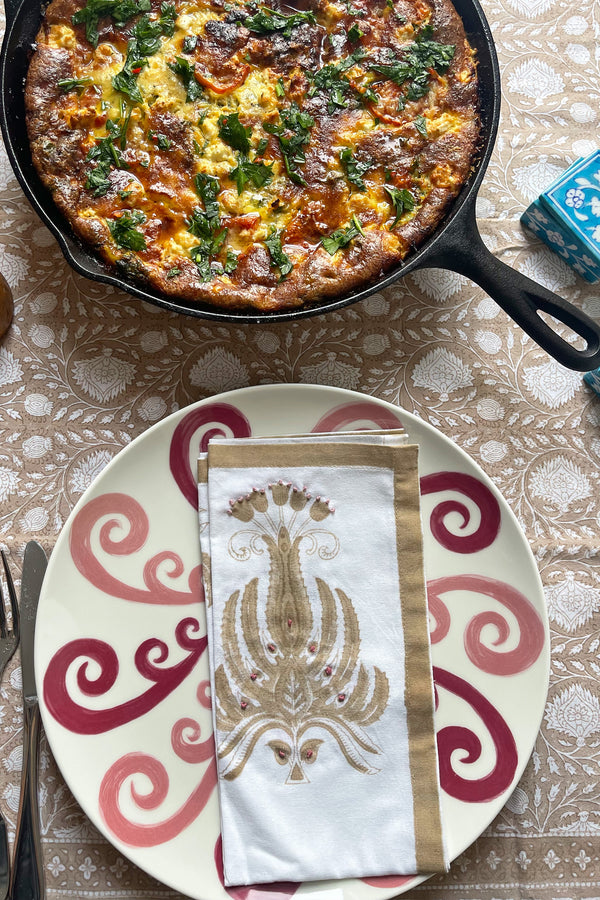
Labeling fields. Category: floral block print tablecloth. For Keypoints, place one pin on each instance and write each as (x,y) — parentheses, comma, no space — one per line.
(85,369)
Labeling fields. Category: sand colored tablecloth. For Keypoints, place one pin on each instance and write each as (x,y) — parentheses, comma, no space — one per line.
(85,369)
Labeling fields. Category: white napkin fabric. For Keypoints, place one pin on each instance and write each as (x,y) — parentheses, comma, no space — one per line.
(319,657)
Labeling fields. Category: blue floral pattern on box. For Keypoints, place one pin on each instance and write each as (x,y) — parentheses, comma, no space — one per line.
(593,379)
(566,216)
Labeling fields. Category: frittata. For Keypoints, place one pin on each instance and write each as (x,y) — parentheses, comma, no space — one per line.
(249,156)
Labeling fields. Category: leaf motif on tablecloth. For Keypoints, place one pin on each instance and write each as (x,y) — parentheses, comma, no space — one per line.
(11,370)
(551,383)
(493,451)
(9,482)
(560,482)
(490,409)
(531,8)
(535,79)
(575,712)
(489,342)
(88,468)
(152,409)
(442,372)
(34,521)
(532,179)
(42,336)
(219,370)
(439,284)
(572,603)
(331,370)
(105,376)
(545,267)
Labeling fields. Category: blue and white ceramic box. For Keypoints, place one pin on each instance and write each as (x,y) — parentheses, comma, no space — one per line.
(566,216)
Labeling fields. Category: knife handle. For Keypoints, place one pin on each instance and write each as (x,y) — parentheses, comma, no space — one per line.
(27,878)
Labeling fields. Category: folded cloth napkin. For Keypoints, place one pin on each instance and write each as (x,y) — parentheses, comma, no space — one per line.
(319,658)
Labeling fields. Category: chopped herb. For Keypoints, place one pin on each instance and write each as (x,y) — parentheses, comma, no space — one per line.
(262,146)
(125,194)
(144,42)
(267,20)
(341,237)
(257,173)
(402,201)
(174,272)
(330,80)
(74,84)
(278,257)
(421,125)
(416,62)
(354,169)
(387,175)
(106,156)
(354,33)
(167,19)
(145,163)
(280,88)
(389,3)
(293,133)
(186,72)
(161,140)
(189,43)
(207,188)
(231,262)
(234,133)
(95,10)
(124,232)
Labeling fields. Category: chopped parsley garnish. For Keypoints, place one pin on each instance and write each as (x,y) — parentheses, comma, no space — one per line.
(354,169)
(331,80)
(234,133)
(161,140)
(95,10)
(262,146)
(107,155)
(416,62)
(257,173)
(267,20)
(231,262)
(124,232)
(402,201)
(186,72)
(421,125)
(341,237)
(144,42)
(167,19)
(74,84)
(189,43)
(354,33)
(174,272)
(293,133)
(207,188)
(280,88)
(278,258)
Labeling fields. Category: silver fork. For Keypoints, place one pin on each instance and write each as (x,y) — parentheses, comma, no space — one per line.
(9,638)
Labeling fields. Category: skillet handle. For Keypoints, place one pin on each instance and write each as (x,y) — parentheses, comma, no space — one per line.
(462,250)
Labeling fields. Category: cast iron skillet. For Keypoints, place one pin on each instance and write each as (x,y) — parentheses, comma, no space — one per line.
(456,244)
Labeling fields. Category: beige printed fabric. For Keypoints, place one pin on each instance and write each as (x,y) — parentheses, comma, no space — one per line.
(85,369)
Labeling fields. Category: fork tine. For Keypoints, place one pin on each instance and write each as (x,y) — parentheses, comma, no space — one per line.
(14,606)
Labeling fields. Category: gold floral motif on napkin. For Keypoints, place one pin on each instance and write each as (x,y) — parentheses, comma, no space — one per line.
(293,665)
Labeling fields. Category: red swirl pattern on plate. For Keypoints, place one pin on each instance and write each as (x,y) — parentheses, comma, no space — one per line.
(148,659)
(489,509)
(531,629)
(221,415)
(350,413)
(130,540)
(138,834)
(388,881)
(456,737)
(185,740)
(277,890)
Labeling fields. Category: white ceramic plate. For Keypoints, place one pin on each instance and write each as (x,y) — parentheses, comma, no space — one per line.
(122,672)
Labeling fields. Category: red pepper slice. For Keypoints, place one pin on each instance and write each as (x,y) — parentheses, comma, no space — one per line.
(218,87)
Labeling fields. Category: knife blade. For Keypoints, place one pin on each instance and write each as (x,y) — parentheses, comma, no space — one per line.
(27,877)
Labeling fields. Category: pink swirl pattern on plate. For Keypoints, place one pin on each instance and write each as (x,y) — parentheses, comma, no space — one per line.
(489,508)
(456,737)
(129,542)
(138,834)
(351,413)
(223,416)
(531,629)
(148,657)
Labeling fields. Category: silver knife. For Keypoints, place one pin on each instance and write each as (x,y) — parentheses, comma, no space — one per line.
(27,877)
